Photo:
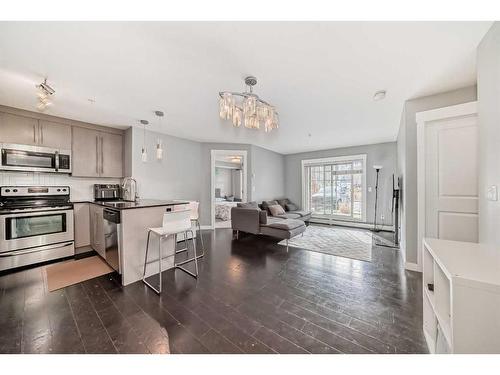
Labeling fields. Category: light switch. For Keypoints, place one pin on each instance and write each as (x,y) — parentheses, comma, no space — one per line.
(369,189)
(492,194)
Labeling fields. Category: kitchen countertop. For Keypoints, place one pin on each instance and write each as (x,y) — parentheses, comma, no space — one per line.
(141,203)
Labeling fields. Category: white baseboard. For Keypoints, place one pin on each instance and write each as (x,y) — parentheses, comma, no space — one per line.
(353,224)
(412,266)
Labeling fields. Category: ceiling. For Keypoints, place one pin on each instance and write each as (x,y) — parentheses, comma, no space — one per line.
(320,75)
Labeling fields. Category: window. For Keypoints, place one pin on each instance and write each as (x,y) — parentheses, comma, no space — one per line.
(335,187)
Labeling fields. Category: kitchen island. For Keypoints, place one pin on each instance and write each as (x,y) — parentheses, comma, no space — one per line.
(131,235)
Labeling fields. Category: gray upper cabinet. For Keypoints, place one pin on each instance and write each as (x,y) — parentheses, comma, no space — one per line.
(18,129)
(85,150)
(97,154)
(31,131)
(111,155)
(55,135)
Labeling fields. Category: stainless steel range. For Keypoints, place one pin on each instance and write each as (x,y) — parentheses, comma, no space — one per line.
(36,225)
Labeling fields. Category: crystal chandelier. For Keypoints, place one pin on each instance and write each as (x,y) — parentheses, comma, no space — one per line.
(247,108)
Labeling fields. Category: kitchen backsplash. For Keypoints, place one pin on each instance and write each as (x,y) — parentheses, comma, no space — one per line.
(81,188)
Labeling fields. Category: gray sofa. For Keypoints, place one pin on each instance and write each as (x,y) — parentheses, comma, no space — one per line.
(250,218)
(291,210)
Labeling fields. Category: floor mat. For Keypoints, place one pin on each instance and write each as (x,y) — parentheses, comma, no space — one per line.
(64,274)
(348,243)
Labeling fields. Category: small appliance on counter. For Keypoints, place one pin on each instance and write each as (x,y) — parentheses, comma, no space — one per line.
(36,225)
(103,192)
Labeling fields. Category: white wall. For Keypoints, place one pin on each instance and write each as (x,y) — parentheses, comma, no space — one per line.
(80,188)
(224,181)
(488,85)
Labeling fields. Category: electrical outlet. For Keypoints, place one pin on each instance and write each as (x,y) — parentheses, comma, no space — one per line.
(382,217)
(492,194)
(369,189)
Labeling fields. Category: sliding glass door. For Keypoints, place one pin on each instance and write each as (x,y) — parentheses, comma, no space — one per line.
(334,187)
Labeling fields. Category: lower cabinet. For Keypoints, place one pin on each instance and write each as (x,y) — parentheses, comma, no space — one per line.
(97,230)
(81,214)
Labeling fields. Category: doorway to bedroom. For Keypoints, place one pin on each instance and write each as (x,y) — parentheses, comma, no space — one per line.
(229,184)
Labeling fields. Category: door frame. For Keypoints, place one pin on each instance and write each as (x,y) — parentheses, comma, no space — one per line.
(423,119)
(213,154)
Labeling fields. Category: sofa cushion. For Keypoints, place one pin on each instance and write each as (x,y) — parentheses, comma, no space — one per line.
(286,224)
(289,215)
(291,207)
(266,204)
(248,205)
(262,217)
(301,213)
(283,203)
(276,210)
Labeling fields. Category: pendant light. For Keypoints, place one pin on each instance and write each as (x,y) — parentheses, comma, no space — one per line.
(159,147)
(144,152)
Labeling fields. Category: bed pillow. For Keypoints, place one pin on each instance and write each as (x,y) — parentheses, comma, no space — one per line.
(276,210)
(291,207)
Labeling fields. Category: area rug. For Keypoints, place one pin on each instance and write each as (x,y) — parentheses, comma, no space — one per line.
(348,243)
(61,275)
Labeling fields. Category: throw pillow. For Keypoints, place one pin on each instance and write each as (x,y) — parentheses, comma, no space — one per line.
(249,205)
(283,202)
(291,207)
(276,210)
(266,204)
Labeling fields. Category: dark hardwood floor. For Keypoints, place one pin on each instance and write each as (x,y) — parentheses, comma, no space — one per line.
(251,297)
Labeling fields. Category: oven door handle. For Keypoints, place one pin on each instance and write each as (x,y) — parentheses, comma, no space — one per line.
(35,250)
(36,213)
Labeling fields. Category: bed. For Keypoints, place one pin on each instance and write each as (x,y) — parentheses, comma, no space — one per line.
(223,209)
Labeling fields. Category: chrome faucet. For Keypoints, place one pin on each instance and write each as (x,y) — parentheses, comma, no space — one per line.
(127,189)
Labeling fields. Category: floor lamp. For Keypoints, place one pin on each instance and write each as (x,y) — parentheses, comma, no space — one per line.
(377,169)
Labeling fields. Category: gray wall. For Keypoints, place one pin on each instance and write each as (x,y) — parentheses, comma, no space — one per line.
(407,151)
(265,165)
(184,172)
(488,85)
(268,174)
(177,176)
(382,153)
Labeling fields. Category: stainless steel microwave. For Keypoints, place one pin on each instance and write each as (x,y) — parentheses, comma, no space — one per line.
(34,159)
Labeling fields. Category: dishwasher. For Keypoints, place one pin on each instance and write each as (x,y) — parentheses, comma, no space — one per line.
(112,238)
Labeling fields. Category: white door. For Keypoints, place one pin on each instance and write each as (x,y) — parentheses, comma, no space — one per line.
(449,153)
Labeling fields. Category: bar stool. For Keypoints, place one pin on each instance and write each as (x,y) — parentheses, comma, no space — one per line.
(194,206)
(174,223)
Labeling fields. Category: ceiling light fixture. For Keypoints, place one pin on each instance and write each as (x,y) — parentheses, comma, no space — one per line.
(249,110)
(235,159)
(43,95)
(159,148)
(144,151)
(379,95)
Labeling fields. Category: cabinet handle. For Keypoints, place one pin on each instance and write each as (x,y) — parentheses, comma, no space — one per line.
(41,133)
(102,155)
(34,133)
(96,154)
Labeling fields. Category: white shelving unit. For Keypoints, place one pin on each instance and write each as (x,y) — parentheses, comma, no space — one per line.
(462,313)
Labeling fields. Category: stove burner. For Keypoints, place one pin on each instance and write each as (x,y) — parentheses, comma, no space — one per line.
(39,198)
